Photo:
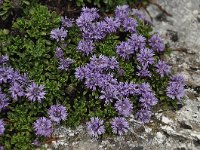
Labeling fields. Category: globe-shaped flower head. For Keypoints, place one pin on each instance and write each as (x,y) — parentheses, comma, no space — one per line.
(95,127)
(119,125)
(57,113)
(35,92)
(43,127)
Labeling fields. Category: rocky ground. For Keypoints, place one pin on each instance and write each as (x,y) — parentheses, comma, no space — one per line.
(178,130)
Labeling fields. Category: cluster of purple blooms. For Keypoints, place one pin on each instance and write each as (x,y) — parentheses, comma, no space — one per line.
(147,101)
(113,91)
(156,43)
(95,127)
(19,85)
(99,73)
(162,68)
(44,126)
(59,34)
(94,30)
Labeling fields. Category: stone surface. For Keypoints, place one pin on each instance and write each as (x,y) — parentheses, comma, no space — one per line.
(178,130)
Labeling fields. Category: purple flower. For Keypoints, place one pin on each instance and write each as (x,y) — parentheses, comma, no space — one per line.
(143,71)
(124,107)
(175,87)
(112,24)
(43,127)
(145,57)
(65,63)
(119,125)
(148,100)
(58,34)
(124,50)
(21,79)
(66,22)
(156,43)
(178,79)
(100,30)
(103,63)
(85,46)
(91,81)
(144,88)
(143,115)
(122,90)
(106,81)
(81,72)
(6,74)
(35,92)
(122,12)
(162,68)
(59,53)
(4,59)
(91,11)
(95,31)
(95,127)
(130,25)
(134,88)
(137,41)
(107,96)
(87,17)
(2,128)
(57,113)
(3,101)
(16,91)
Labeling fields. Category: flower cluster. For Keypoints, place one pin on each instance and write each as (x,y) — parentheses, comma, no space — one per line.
(67,22)
(119,125)
(64,63)
(156,43)
(124,107)
(95,127)
(85,46)
(175,88)
(94,72)
(57,113)
(122,12)
(162,68)
(44,126)
(59,34)
(19,85)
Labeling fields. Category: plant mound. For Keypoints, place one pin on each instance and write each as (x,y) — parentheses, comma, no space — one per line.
(93,70)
